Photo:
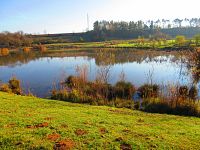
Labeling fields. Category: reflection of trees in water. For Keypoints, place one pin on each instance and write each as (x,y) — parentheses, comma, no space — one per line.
(173,59)
(124,56)
(18,59)
(103,72)
(102,57)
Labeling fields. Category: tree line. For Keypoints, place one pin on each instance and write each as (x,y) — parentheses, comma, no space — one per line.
(14,40)
(110,30)
(150,24)
(103,30)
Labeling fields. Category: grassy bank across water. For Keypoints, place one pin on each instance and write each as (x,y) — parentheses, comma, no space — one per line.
(139,44)
(32,123)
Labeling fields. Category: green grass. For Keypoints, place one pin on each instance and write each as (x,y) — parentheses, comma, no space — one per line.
(20,115)
(113,44)
(132,43)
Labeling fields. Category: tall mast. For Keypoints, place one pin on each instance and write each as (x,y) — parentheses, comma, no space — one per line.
(88,23)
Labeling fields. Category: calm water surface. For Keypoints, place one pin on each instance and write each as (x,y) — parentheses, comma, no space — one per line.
(39,74)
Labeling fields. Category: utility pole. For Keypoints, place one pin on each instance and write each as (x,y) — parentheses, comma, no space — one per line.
(88,23)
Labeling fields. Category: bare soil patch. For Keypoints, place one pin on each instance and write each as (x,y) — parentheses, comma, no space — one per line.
(40,125)
(53,137)
(64,145)
(80,132)
(125,147)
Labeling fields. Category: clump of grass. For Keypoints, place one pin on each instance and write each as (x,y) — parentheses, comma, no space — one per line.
(5,88)
(149,90)
(180,100)
(13,86)
(4,52)
(26,49)
(183,92)
(183,107)
(193,93)
(77,90)
(124,90)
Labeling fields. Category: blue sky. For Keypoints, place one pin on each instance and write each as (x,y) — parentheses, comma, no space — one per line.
(58,16)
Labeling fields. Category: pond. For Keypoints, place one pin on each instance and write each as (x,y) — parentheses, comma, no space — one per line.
(40,72)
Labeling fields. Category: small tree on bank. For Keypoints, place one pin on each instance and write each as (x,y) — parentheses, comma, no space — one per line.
(180,40)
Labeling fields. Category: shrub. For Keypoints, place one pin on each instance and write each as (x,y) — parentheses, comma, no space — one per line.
(15,86)
(4,52)
(73,82)
(197,39)
(101,102)
(26,49)
(192,45)
(121,103)
(177,102)
(158,107)
(183,92)
(184,107)
(180,40)
(187,109)
(62,95)
(81,91)
(74,96)
(5,88)
(81,39)
(124,90)
(15,40)
(148,90)
(193,93)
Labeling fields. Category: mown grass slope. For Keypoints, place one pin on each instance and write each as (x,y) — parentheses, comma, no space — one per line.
(32,123)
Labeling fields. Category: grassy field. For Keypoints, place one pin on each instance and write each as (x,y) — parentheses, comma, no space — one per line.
(32,123)
(114,44)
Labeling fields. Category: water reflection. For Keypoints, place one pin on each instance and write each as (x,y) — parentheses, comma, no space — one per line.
(39,71)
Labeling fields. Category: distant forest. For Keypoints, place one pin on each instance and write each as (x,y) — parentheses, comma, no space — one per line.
(103,30)
(111,30)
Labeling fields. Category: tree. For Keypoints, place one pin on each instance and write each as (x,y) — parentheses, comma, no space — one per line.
(151,26)
(163,23)
(158,23)
(96,26)
(15,40)
(103,72)
(193,22)
(197,39)
(180,40)
(115,30)
(178,22)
